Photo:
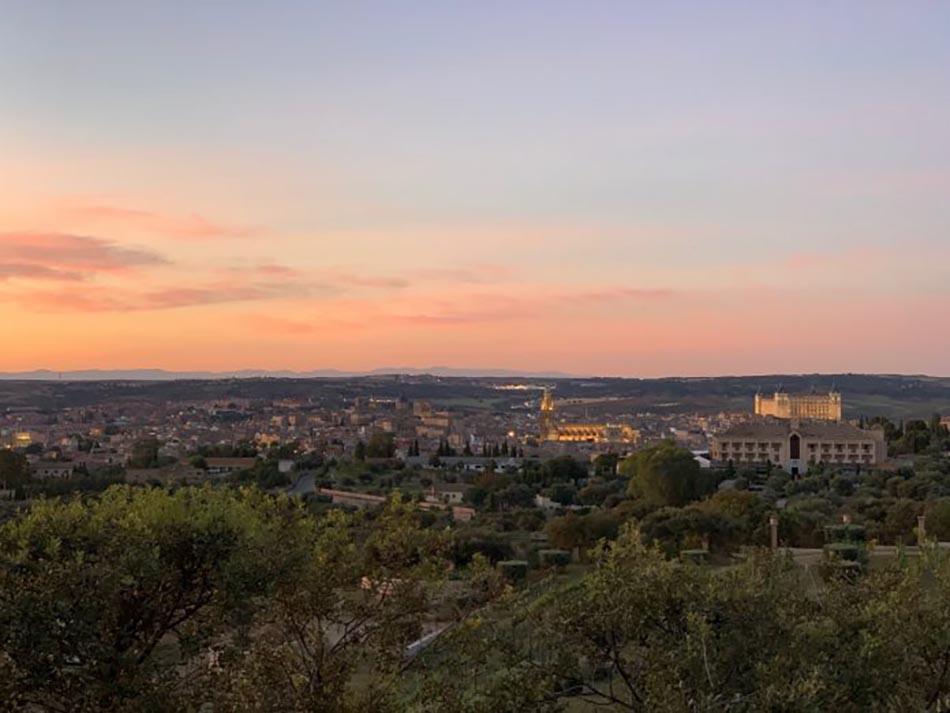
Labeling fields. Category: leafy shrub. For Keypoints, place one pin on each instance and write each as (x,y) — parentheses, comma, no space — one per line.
(845,533)
(554,558)
(513,570)
(694,556)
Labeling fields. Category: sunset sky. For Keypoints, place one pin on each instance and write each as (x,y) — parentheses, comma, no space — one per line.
(629,188)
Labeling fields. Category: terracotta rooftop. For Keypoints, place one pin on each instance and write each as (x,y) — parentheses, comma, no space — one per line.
(779,429)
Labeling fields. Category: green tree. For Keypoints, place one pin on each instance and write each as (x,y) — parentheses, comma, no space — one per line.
(567,531)
(746,516)
(469,542)
(562,469)
(363,598)
(664,474)
(476,496)
(605,465)
(517,495)
(938,520)
(675,529)
(381,445)
(14,469)
(900,521)
(145,453)
(572,530)
(596,492)
(563,493)
(641,633)
(103,601)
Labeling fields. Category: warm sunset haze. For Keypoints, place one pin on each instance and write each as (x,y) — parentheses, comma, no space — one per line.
(616,188)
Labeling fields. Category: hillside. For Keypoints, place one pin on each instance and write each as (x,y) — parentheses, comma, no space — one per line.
(895,396)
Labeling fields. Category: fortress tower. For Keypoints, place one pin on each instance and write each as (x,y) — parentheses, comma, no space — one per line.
(825,407)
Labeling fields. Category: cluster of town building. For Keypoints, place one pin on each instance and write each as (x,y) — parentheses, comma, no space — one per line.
(86,439)
(792,431)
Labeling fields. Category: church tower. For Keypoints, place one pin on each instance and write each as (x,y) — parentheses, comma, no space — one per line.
(546,419)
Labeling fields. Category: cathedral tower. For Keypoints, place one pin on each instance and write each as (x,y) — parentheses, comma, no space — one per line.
(546,420)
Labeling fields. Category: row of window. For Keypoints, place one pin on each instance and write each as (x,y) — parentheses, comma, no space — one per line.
(825,447)
(763,456)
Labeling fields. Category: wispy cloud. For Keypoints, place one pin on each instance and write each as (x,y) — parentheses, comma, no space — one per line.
(28,271)
(100,299)
(323,322)
(344,278)
(521,302)
(173,297)
(418,277)
(192,226)
(267,270)
(476,275)
(430,320)
(616,294)
(74,301)
(51,254)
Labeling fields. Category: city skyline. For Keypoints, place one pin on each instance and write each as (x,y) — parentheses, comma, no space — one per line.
(611,190)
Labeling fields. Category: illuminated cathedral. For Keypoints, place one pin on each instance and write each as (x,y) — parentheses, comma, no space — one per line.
(551,430)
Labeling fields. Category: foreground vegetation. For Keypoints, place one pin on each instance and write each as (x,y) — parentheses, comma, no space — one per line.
(144,599)
(642,633)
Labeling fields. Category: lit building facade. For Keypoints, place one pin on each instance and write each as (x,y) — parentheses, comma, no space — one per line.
(795,445)
(15,439)
(551,430)
(826,407)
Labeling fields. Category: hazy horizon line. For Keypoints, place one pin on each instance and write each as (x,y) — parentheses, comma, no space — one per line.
(163,374)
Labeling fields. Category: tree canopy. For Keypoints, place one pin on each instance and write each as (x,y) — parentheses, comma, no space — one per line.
(14,469)
(642,633)
(116,603)
(664,474)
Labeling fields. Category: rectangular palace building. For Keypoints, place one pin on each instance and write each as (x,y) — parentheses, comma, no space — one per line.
(826,407)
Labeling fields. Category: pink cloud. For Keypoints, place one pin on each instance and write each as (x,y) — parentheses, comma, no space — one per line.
(73,253)
(173,297)
(36,272)
(334,277)
(351,279)
(192,226)
(82,301)
(264,270)
(272,270)
(428,320)
(164,298)
(614,294)
(343,278)
(523,302)
(479,274)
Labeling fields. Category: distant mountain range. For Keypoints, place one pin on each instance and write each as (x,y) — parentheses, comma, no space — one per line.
(892,395)
(166,375)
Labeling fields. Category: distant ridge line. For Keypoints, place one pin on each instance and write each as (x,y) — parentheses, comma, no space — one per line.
(159,375)
(170,375)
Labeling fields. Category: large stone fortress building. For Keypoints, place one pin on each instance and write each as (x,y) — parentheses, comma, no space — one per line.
(551,430)
(825,407)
